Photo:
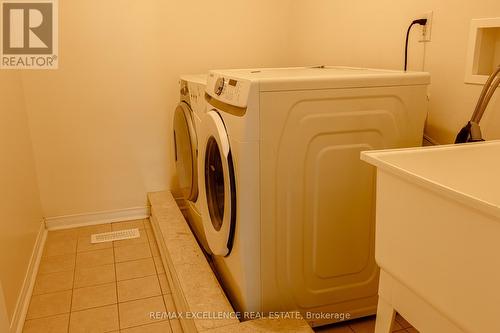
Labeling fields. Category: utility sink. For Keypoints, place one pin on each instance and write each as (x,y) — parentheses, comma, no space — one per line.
(438,236)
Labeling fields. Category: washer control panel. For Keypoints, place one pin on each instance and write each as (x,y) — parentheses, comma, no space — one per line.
(229,90)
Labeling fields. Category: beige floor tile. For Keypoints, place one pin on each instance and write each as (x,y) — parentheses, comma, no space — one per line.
(55,264)
(364,325)
(94,229)
(367,325)
(95,258)
(55,324)
(49,304)
(161,327)
(59,247)
(71,232)
(169,302)
(396,327)
(135,269)
(159,265)
(136,313)
(152,244)
(62,234)
(132,252)
(128,225)
(95,296)
(334,328)
(150,234)
(103,319)
(175,324)
(91,276)
(84,244)
(165,287)
(52,282)
(402,321)
(145,287)
(143,238)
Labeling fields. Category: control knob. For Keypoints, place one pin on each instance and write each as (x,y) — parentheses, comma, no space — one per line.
(219,86)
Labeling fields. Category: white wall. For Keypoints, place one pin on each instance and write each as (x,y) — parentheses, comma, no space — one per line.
(101,124)
(20,209)
(371,34)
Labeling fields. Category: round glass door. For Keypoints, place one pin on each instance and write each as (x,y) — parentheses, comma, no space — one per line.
(185,150)
(219,214)
(214,183)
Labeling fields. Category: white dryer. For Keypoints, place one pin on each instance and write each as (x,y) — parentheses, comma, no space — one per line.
(290,206)
(187,119)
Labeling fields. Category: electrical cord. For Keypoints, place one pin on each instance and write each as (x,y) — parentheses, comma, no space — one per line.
(422,22)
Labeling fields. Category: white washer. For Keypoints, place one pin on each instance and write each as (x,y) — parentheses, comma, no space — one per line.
(187,121)
(290,206)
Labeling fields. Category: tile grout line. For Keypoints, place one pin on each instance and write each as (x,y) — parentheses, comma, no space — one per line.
(96,285)
(158,277)
(91,308)
(53,292)
(74,278)
(49,316)
(116,283)
(145,325)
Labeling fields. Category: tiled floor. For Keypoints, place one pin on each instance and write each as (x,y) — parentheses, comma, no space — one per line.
(106,287)
(366,325)
(114,286)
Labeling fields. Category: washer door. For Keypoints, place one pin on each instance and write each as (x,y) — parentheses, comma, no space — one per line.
(220,191)
(186,151)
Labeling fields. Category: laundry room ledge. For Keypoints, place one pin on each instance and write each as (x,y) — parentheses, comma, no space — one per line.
(195,288)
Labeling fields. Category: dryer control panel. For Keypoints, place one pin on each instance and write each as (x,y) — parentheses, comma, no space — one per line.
(229,90)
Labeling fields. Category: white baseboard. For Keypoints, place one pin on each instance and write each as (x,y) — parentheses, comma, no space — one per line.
(81,220)
(23,301)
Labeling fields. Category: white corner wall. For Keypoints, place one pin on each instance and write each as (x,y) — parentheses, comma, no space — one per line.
(101,123)
(372,33)
(20,210)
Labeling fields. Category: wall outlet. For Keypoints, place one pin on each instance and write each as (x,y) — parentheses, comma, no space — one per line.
(427,29)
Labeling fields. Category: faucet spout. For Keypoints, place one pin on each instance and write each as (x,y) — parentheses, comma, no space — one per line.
(472,131)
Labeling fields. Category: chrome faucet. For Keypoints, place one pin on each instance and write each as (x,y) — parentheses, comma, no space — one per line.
(472,131)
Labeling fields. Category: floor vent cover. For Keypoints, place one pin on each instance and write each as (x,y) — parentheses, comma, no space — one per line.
(115,236)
